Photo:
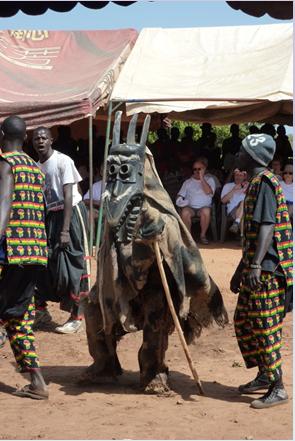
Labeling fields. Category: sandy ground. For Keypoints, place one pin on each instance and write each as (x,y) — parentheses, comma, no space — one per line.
(120,412)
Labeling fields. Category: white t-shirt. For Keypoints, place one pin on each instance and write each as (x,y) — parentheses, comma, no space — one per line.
(238,196)
(59,170)
(194,194)
(96,192)
(287,190)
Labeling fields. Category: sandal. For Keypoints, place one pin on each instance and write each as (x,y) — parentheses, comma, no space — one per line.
(204,240)
(28,392)
(3,337)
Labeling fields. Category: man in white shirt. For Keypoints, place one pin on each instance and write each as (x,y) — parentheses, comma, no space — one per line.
(195,198)
(233,195)
(67,278)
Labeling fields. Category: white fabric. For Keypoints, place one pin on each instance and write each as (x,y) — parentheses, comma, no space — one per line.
(238,196)
(59,170)
(96,190)
(287,190)
(239,62)
(194,194)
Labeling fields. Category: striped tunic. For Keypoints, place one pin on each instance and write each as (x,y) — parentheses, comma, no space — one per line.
(282,231)
(25,233)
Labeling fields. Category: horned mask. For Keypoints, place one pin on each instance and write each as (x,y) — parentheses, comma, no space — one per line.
(125,180)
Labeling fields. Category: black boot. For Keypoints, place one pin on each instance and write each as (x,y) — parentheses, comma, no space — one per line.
(261,382)
(275,395)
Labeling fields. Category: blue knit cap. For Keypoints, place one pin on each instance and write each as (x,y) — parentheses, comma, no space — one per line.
(261,147)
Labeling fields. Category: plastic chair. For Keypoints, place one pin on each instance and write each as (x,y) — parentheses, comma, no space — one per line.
(225,221)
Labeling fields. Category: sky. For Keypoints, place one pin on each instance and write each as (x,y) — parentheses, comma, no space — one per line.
(138,15)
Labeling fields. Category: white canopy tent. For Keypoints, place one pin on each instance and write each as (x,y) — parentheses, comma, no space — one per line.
(220,74)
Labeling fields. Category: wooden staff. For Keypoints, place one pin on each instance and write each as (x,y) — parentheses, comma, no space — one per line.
(175,318)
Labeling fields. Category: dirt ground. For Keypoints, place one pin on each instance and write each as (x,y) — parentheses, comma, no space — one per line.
(120,412)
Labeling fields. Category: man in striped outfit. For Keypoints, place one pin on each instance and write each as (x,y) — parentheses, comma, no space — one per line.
(264,274)
(23,251)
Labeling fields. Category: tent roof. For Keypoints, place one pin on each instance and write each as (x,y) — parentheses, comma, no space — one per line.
(56,77)
(219,74)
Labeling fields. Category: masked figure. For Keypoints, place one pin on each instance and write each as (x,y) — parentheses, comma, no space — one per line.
(128,295)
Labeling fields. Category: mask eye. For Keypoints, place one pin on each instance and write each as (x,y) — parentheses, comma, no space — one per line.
(113,170)
(125,170)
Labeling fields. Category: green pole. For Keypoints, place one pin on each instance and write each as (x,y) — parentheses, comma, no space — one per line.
(90,137)
(106,148)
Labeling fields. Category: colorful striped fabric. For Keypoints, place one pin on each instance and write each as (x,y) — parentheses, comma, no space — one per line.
(283,228)
(25,233)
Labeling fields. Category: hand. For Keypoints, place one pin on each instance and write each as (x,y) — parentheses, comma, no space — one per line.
(64,239)
(235,282)
(202,173)
(253,279)
(237,187)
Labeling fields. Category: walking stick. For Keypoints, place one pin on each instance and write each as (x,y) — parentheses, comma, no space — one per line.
(175,318)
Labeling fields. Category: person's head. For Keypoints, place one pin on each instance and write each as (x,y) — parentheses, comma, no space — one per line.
(276,165)
(199,165)
(256,150)
(239,176)
(42,142)
(281,131)
(162,134)
(253,129)
(268,129)
(189,132)
(234,130)
(174,134)
(13,132)
(206,128)
(288,174)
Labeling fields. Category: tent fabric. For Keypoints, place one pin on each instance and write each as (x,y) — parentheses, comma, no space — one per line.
(57,77)
(220,74)
(282,10)
(9,8)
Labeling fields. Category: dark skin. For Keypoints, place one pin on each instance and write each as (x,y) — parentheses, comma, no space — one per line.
(42,143)
(265,235)
(6,192)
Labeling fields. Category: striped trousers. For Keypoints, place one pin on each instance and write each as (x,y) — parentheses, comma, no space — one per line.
(22,339)
(258,324)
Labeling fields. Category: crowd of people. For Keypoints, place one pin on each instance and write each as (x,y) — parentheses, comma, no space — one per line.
(45,257)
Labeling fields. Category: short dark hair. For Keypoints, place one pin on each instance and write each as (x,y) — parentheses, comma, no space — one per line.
(14,128)
(47,129)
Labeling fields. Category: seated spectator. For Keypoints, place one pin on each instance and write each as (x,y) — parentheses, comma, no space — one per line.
(230,147)
(188,147)
(253,129)
(96,192)
(287,187)
(268,129)
(233,195)
(159,150)
(174,143)
(195,198)
(283,145)
(83,169)
(276,167)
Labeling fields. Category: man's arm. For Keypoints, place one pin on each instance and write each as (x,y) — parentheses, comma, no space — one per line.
(205,186)
(68,208)
(6,190)
(227,197)
(264,240)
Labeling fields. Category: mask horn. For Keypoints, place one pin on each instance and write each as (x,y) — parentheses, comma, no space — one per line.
(132,130)
(117,128)
(145,130)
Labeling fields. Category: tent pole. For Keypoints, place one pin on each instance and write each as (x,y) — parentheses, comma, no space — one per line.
(106,148)
(90,146)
